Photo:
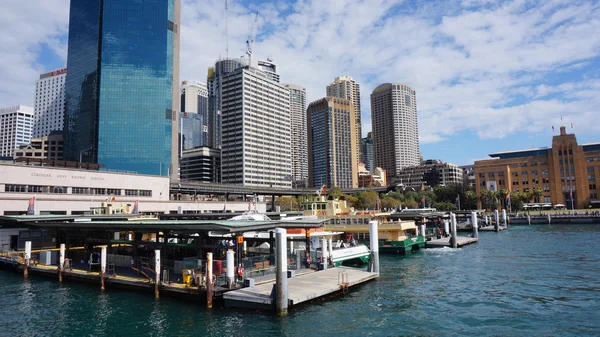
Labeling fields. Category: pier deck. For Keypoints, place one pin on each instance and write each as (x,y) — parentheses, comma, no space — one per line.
(301,288)
(491,228)
(445,242)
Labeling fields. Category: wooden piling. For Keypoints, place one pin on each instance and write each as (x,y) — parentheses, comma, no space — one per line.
(102,266)
(61,262)
(156,272)
(27,258)
(281,281)
(209,274)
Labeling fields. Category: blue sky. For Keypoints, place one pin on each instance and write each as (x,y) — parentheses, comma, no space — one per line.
(489,75)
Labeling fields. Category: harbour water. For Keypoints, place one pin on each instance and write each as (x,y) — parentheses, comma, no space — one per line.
(541,280)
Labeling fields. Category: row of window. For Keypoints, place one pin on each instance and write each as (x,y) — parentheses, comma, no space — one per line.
(75,190)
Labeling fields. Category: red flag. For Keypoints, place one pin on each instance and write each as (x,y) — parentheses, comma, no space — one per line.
(31,207)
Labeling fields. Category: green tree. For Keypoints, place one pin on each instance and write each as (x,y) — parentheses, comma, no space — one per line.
(367,199)
(445,206)
(390,203)
(537,194)
(410,203)
(335,192)
(287,204)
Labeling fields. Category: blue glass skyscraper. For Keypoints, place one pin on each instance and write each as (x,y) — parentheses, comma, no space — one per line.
(122,92)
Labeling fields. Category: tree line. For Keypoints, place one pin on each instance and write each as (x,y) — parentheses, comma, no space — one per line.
(443,198)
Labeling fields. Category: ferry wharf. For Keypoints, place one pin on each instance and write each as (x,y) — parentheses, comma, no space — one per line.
(174,257)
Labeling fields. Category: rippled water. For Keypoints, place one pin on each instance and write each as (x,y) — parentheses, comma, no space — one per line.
(527,281)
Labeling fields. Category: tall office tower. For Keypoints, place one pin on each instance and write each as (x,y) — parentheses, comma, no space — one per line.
(122,92)
(367,153)
(49,107)
(269,68)
(346,87)
(256,131)
(194,108)
(214,82)
(16,127)
(299,146)
(395,128)
(331,129)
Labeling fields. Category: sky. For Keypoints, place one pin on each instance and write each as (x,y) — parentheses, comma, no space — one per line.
(489,75)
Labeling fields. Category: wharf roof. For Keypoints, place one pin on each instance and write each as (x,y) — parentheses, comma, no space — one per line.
(56,222)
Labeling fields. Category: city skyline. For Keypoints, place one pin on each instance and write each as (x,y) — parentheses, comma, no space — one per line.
(489,77)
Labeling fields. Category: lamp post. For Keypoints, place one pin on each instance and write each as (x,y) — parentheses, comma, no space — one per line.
(81,153)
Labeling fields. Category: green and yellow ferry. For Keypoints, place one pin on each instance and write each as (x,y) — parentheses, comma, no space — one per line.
(400,237)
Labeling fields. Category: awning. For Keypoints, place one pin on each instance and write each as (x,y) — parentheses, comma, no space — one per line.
(559,205)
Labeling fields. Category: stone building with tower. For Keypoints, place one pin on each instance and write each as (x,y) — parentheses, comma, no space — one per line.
(565,172)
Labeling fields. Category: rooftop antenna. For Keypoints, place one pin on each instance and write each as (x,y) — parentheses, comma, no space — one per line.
(250,41)
(226,32)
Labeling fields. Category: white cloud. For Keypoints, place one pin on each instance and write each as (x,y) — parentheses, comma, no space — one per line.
(485,67)
(26,26)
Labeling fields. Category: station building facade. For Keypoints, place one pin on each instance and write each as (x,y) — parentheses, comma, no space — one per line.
(69,191)
(566,172)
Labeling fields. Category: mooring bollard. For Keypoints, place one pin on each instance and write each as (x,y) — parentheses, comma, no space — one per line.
(497,224)
(156,272)
(281,278)
(230,268)
(374,245)
(209,275)
(330,247)
(454,236)
(504,218)
(446,227)
(27,258)
(61,262)
(102,266)
(475,225)
(324,251)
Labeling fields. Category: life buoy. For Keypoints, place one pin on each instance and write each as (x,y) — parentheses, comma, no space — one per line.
(241,271)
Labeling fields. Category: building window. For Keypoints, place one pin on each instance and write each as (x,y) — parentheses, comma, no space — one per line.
(592,186)
(113,191)
(15,188)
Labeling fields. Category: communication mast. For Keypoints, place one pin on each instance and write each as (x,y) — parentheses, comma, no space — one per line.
(226,32)
(250,41)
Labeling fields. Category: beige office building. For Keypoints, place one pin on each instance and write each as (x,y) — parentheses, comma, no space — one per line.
(331,129)
(298,125)
(256,130)
(346,87)
(395,128)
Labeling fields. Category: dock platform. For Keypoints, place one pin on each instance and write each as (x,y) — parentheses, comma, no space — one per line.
(491,228)
(301,288)
(445,242)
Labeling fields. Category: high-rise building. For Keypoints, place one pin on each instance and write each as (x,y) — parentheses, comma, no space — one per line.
(269,68)
(346,87)
(214,81)
(299,145)
(367,153)
(49,107)
(256,130)
(331,129)
(16,127)
(194,97)
(201,164)
(122,92)
(395,129)
(193,119)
